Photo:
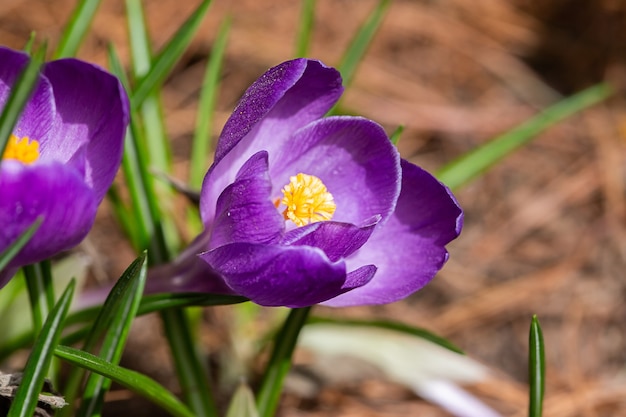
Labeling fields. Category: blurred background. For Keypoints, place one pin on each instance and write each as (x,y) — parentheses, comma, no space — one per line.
(544,231)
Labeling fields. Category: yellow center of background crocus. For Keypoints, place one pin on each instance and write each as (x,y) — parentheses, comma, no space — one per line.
(23,150)
(307,200)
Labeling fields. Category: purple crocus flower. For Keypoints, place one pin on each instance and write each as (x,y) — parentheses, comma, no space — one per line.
(301,209)
(61,157)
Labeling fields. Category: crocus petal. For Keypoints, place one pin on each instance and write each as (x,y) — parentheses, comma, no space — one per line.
(38,116)
(52,191)
(281,101)
(245,212)
(354,159)
(273,275)
(92,115)
(337,240)
(410,248)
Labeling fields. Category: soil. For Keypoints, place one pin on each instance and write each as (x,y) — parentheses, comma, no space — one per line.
(544,230)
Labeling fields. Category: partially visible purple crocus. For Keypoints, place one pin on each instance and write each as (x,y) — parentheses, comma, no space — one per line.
(61,157)
(301,209)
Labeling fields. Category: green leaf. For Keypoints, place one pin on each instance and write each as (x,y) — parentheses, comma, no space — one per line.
(206,108)
(472,164)
(536,369)
(19,96)
(280,362)
(9,253)
(28,48)
(192,372)
(305,32)
(163,63)
(395,136)
(113,320)
(76,28)
(134,381)
(242,404)
(40,290)
(355,52)
(27,394)
(392,325)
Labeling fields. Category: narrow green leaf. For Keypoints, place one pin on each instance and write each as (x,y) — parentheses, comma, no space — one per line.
(163,63)
(20,93)
(206,108)
(536,369)
(134,381)
(13,249)
(192,372)
(305,32)
(392,325)
(149,130)
(395,136)
(40,291)
(472,164)
(28,48)
(355,52)
(27,394)
(242,404)
(146,214)
(280,362)
(118,313)
(113,321)
(76,28)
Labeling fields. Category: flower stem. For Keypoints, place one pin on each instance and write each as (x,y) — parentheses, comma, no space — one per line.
(280,362)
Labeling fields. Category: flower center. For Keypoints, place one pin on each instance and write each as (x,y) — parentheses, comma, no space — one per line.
(307,200)
(23,150)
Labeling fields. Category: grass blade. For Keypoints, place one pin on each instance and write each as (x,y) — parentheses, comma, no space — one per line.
(9,253)
(76,28)
(280,362)
(27,394)
(20,93)
(117,315)
(307,17)
(163,63)
(192,373)
(472,164)
(354,54)
(536,369)
(206,108)
(113,320)
(134,381)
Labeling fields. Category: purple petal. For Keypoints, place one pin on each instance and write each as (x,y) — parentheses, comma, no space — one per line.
(337,240)
(354,159)
(281,101)
(92,115)
(245,212)
(273,275)
(410,248)
(37,118)
(53,191)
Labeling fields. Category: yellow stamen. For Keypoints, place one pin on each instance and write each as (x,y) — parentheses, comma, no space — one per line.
(23,150)
(307,200)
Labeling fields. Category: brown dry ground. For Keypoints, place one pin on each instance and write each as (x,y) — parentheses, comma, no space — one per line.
(544,231)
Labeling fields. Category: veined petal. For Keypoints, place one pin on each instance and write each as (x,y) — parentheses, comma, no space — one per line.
(281,101)
(274,275)
(354,159)
(92,115)
(37,118)
(337,240)
(410,248)
(53,191)
(245,212)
